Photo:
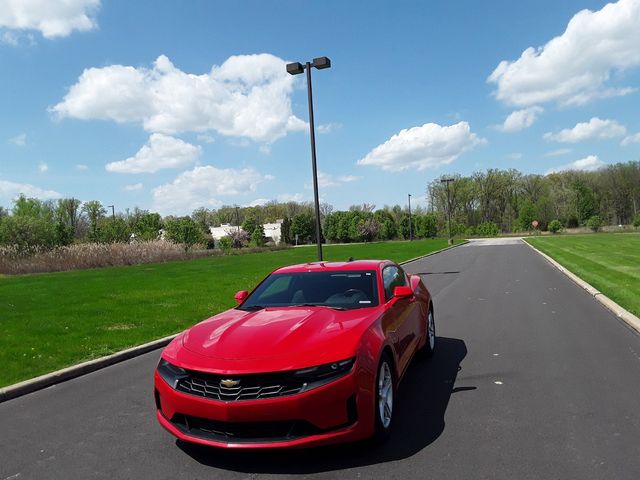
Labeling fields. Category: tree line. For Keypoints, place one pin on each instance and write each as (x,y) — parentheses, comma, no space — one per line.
(512,200)
(484,203)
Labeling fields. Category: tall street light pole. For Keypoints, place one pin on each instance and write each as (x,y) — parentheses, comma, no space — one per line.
(295,69)
(113,211)
(448,181)
(410,229)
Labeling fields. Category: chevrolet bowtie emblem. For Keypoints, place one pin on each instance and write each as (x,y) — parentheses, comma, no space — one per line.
(229,383)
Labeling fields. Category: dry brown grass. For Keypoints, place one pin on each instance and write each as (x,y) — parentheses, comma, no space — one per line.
(96,255)
(93,255)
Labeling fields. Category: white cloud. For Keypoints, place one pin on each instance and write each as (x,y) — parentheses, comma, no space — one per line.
(136,187)
(49,17)
(594,129)
(514,156)
(247,96)
(43,167)
(558,153)
(160,152)
(9,38)
(258,202)
(326,180)
(81,166)
(206,138)
(577,66)
(19,140)
(11,190)
(329,127)
(290,197)
(202,187)
(521,119)
(590,163)
(428,146)
(635,138)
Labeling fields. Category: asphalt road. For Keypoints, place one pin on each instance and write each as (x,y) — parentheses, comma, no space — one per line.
(532,379)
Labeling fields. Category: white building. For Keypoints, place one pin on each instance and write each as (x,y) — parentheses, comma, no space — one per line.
(222,231)
(273,231)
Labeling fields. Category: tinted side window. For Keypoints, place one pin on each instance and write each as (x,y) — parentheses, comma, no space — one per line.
(392,277)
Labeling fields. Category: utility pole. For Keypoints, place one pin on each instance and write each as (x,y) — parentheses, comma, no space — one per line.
(448,181)
(113,211)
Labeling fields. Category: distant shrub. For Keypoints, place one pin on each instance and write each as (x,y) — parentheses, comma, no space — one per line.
(636,221)
(555,226)
(572,222)
(225,244)
(487,229)
(594,223)
(470,232)
(257,237)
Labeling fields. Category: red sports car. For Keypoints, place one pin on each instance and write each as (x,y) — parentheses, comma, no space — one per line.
(312,356)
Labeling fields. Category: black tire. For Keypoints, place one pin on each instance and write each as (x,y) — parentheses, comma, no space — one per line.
(429,346)
(384,417)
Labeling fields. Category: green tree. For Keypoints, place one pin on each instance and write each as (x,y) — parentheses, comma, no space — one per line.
(113,230)
(527,215)
(426,225)
(388,228)
(250,224)
(257,237)
(67,218)
(185,231)
(285,231)
(636,221)
(145,225)
(95,212)
(302,227)
(585,201)
(26,232)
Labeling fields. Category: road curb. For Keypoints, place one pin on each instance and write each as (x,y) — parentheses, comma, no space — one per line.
(433,253)
(626,316)
(59,376)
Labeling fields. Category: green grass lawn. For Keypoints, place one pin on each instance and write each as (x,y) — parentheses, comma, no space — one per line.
(608,261)
(50,321)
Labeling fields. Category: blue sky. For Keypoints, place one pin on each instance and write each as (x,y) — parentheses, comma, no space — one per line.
(174,105)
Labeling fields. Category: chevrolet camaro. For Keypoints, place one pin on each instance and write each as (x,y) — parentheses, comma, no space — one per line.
(312,356)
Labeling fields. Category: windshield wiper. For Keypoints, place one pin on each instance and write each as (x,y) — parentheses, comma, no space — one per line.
(251,308)
(318,305)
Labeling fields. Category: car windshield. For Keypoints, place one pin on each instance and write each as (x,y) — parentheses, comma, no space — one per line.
(333,289)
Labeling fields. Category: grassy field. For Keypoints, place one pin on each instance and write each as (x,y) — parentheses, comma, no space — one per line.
(49,321)
(610,262)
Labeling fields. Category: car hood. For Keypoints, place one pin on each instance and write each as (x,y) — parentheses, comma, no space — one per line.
(303,333)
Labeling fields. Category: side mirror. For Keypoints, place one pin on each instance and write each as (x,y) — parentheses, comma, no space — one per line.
(241,296)
(402,292)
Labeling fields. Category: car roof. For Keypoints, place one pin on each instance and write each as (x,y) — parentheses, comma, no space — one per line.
(333,266)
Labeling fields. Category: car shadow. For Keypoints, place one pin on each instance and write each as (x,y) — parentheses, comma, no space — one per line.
(420,410)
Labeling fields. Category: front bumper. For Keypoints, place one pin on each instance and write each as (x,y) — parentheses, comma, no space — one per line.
(340,411)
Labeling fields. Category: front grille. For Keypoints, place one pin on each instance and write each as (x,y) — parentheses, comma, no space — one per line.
(250,387)
(244,432)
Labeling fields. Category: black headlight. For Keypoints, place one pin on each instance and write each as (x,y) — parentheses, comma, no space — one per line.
(322,374)
(170,373)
